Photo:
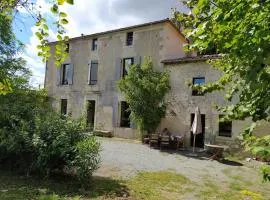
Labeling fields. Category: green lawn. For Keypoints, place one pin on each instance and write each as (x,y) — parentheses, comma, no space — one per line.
(146,185)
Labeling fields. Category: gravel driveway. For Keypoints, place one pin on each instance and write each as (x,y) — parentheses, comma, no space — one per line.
(124,159)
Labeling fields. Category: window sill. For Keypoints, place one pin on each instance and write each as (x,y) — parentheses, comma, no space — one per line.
(224,138)
(92,88)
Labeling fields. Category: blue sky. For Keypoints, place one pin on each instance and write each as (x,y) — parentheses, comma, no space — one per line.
(86,17)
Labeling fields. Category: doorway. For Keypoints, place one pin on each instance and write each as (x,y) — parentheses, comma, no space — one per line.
(91,107)
(199,141)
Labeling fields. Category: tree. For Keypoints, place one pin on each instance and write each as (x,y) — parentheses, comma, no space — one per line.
(145,91)
(240,32)
(9,46)
(11,67)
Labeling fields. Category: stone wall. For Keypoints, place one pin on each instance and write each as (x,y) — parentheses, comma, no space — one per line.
(181,104)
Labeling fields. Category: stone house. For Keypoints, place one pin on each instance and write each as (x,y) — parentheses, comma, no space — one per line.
(86,81)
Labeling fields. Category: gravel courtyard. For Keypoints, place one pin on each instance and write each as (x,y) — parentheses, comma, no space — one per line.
(125,159)
(210,180)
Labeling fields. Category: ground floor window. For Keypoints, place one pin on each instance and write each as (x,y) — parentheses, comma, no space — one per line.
(125,114)
(63,106)
(225,127)
(91,108)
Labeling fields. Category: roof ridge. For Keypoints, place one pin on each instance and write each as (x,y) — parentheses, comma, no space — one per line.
(125,28)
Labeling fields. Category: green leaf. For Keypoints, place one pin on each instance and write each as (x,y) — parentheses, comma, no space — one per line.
(70,2)
(61,2)
(54,9)
(64,21)
(45,26)
(62,14)
(59,37)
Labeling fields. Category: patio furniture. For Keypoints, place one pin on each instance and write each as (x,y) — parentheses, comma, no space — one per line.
(146,139)
(153,139)
(218,151)
(180,140)
(164,141)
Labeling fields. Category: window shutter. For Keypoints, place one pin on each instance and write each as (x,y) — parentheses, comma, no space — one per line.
(137,60)
(118,68)
(58,75)
(89,73)
(70,74)
(115,112)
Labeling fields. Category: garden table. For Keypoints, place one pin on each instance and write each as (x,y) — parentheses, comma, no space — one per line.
(218,151)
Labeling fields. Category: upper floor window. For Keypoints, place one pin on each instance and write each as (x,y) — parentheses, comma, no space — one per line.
(66,74)
(94,44)
(129,40)
(93,73)
(225,127)
(197,81)
(126,65)
(63,106)
(67,48)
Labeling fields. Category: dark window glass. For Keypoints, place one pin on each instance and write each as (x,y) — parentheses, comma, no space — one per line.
(66,70)
(125,114)
(129,38)
(93,73)
(94,44)
(67,47)
(197,81)
(126,65)
(63,106)
(225,128)
(91,107)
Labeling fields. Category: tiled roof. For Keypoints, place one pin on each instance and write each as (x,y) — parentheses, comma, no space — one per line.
(191,59)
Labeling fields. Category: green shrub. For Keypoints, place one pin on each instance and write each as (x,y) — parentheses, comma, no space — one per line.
(55,141)
(87,159)
(36,139)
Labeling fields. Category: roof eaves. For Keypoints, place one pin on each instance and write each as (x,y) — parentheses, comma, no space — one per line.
(120,29)
(191,59)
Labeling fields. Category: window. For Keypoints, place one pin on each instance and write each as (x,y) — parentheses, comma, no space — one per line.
(125,113)
(66,74)
(225,127)
(63,106)
(91,106)
(126,65)
(129,41)
(197,81)
(93,73)
(94,44)
(67,48)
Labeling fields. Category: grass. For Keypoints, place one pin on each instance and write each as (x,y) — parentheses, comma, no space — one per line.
(161,185)
(164,185)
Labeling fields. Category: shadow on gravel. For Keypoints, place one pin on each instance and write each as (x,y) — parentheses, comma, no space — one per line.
(199,155)
(230,162)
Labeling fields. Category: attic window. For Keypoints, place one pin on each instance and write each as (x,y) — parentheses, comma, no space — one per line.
(94,44)
(129,41)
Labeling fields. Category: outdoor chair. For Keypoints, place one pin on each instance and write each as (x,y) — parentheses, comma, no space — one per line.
(146,139)
(153,139)
(164,141)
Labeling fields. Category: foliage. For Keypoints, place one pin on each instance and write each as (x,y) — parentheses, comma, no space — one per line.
(55,141)
(145,90)
(87,159)
(9,46)
(35,139)
(9,62)
(259,146)
(238,31)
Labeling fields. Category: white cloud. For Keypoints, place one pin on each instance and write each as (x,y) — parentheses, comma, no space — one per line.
(92,16)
